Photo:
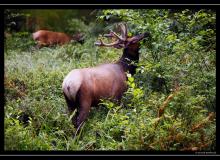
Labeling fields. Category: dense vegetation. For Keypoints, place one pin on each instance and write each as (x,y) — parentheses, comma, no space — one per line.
(169,106)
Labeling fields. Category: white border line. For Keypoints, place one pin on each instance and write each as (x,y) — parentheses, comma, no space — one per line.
(110,4)
(86,154)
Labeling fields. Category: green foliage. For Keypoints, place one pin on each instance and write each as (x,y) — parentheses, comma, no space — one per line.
(77,25)
(20,41)
(13,19)
(169,105)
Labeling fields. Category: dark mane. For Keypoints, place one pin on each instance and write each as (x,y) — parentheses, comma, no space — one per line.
(128,61)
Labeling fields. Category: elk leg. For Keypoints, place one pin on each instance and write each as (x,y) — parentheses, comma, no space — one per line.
(71,107)
(38,46)
(84,109)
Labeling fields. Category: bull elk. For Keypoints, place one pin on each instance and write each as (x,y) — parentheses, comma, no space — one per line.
(85,87)
(49,38)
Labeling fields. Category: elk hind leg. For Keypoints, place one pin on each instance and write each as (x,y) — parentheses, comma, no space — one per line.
(84,109)
(71,107)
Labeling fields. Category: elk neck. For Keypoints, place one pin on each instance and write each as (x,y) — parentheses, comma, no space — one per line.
(129,59)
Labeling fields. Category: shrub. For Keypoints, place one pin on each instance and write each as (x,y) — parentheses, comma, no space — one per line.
(169,105)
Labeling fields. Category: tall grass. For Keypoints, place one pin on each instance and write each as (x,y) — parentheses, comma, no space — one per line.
(169,105)
(33,80)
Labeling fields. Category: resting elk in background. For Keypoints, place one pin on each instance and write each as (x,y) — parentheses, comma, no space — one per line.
(49,38)
(84,88)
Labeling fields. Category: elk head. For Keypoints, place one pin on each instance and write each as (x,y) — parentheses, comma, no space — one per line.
(130,47)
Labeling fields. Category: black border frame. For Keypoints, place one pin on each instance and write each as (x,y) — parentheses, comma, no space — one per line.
(65,154)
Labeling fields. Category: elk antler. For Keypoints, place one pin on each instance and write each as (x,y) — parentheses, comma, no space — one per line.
(124,32)
(101,43)
(120,42)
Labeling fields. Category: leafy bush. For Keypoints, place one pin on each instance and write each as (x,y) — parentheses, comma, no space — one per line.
(169,105)
(77,25)
(20,41)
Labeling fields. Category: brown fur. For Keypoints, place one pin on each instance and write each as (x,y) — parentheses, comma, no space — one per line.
(48,38)
(85,87)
